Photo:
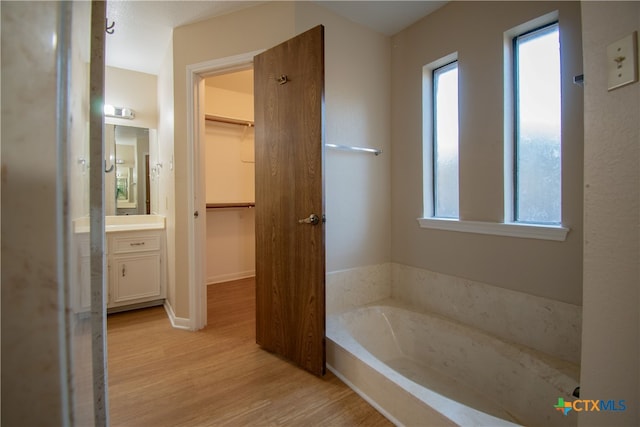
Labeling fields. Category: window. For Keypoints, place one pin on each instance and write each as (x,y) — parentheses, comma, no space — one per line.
(537,150)
(445,141)
(532,134)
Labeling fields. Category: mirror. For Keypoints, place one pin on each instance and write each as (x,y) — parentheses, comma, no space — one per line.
(129,178)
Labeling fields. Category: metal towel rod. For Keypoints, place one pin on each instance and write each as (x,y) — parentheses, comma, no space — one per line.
(248,123)
(356,149)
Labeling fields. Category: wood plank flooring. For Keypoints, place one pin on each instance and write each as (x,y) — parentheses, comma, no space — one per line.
(160,376)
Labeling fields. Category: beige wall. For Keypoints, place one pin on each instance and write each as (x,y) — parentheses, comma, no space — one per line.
(357,113)
(357,108)
(165,155)
(611,320)
(135,90)
(476,31)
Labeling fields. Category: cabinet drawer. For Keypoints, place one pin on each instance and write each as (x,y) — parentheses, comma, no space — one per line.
(136,244)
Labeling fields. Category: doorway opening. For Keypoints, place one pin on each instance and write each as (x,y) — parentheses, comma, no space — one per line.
(231,138)
(230,197)
(289,196)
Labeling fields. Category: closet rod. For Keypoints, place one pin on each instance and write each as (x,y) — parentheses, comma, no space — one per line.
(228,120)
(229,205)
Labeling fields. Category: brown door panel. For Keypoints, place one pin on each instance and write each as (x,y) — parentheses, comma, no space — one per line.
(290,254)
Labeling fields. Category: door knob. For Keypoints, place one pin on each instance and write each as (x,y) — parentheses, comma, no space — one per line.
(313,219)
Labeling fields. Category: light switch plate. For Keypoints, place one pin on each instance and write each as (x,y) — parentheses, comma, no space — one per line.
(622,61)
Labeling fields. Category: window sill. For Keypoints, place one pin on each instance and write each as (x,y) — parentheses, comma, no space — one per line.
(525,231)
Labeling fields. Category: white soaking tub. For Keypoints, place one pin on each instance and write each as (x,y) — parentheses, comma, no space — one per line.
(423,369)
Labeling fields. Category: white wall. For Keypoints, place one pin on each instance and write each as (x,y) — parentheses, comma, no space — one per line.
(611,320)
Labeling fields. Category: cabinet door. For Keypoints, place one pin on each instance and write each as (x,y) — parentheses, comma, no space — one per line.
(135,277)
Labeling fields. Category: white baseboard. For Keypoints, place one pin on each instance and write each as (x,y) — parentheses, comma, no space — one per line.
(230,276)
(177,322)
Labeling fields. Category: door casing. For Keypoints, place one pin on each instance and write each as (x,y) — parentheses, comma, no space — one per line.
(196,227)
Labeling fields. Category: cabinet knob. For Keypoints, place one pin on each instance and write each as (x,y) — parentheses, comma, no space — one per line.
(123,270)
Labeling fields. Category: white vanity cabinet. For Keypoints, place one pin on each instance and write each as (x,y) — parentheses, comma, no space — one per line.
(135,256)
(136,262)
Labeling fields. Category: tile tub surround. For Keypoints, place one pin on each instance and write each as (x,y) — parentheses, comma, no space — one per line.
(552,327)
(426,369)
(355,287)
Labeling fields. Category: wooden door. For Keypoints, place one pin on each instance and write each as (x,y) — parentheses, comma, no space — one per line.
(290,257)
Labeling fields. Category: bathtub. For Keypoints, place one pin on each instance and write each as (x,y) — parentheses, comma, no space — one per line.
(422,369)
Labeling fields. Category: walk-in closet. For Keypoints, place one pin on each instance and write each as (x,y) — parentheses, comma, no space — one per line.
(230,171)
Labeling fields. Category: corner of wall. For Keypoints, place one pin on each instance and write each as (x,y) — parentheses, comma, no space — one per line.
(166,185)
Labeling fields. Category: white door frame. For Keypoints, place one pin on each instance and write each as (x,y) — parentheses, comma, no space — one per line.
(196,229)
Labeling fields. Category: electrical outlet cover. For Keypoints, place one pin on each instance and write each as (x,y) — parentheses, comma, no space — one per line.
(622,61)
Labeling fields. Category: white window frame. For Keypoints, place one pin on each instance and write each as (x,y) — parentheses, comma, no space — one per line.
(428,134)
(435,142)
(508,227)
(516,134)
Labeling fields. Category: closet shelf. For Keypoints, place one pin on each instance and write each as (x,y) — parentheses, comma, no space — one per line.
(229,205)
(228,120)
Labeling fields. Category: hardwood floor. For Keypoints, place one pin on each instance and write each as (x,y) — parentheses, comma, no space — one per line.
(160,376)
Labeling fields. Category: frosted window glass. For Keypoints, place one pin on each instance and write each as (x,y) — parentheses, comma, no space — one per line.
(445,144)
(538,145)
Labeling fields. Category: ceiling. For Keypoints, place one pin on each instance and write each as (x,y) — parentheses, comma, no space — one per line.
(142,30)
